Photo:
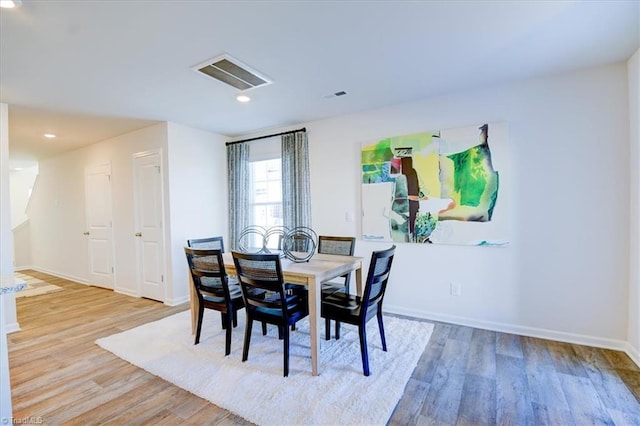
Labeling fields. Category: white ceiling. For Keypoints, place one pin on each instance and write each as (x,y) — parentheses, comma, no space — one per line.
(91,70)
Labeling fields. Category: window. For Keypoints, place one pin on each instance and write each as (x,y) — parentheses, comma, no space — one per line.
(266,193)
(260,176)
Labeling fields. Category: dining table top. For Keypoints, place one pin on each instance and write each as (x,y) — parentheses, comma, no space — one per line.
(321,266)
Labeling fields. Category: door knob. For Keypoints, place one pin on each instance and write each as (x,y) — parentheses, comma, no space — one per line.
(138,234)
(85,233)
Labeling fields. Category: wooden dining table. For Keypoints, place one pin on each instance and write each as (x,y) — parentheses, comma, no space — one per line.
(312,273)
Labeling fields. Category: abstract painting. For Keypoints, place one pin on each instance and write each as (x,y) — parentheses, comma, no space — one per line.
(439,187)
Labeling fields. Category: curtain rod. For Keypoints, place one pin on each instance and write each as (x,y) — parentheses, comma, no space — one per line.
(304,129)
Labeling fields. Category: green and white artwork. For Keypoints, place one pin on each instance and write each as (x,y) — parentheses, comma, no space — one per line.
(440,187)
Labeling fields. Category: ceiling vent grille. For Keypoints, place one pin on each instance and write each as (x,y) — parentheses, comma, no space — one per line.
(232,72)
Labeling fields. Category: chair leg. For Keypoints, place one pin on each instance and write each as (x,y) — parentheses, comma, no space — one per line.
(362,331)
(224,324)
(227,342)
(337,330)
(199,327)
(264,328)
(235,319)
(247,339)
(224,316)
(327,327)
(286,350)
(381,327)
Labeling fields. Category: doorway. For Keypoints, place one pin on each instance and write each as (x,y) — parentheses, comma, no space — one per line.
(149,224)
(99,231)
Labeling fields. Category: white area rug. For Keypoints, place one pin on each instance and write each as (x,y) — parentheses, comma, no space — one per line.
(256,389)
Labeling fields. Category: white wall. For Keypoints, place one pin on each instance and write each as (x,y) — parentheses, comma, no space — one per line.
(21,181)
(8,315)
(634,164)
(6,240)
(194,164)
(22,246)
(57,211)
(197,191)
(565,273)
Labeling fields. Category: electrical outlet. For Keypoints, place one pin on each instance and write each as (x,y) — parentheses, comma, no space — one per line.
(455,289)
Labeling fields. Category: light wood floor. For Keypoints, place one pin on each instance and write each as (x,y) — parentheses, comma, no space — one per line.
(465,376)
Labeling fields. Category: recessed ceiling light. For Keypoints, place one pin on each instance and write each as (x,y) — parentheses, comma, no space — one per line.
(241,97)
(49,135)
(10,4)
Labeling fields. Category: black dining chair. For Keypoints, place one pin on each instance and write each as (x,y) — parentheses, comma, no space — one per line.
(207,243)
(218,243)
(213,290)
(344,246)
(341,306)
(267,298)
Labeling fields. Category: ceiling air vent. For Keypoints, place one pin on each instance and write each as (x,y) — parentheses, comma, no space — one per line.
(335,95)
(232,72)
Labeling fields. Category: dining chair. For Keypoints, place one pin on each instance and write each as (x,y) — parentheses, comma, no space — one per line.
(341,306)
(344,246)
(267,298)
(213,290)
(207,243)
(218,243)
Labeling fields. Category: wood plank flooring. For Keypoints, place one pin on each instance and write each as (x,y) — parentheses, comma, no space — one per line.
(465,375)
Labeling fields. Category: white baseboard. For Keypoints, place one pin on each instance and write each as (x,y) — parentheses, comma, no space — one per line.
(561,336)
(178,301)
(23,268)
(633,353)
(126,292)
(12,328)
(60,275)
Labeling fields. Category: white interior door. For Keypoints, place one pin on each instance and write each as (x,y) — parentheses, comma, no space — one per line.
(149,224)
(99,230)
